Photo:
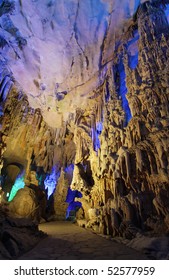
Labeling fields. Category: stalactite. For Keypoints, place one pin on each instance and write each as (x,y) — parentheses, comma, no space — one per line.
(132,164)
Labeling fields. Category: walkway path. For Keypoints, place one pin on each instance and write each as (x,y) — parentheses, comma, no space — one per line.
(67,241)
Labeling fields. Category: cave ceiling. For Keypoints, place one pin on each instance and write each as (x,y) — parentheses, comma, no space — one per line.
(59,51)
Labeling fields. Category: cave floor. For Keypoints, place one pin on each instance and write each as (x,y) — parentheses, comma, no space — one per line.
(67,241)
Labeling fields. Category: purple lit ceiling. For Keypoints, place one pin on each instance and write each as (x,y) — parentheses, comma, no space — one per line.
(59,50)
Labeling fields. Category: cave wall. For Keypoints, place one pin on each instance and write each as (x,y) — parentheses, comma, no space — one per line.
(32,153)
(128,157)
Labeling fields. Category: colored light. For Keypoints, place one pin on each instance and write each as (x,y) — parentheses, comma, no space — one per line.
(95,135)
(122,89)
(19,184)
(51,181)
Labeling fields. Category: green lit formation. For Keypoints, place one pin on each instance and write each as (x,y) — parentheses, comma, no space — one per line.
(19,184)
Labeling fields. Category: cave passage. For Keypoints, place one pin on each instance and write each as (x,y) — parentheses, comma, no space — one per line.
(67,241)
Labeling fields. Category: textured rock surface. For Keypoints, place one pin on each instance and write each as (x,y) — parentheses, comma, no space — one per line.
(17,236)
(88,85)
(60,206)
(24,203)
(57,50)
(29,202)
(126,168)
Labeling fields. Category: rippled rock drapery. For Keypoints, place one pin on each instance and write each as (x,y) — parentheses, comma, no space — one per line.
(130,168)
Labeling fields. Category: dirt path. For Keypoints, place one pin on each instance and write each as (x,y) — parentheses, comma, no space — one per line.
(67,241)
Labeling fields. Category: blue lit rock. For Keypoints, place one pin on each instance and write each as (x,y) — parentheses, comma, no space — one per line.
(51,182)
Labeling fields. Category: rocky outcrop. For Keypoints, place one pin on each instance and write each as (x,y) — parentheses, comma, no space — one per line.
(29,140)
(17,236)
(60,205)
(23,127)
(29,202)
(129,183)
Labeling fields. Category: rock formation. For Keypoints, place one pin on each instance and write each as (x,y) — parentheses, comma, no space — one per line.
(17,236)
(129,170)
(98,102)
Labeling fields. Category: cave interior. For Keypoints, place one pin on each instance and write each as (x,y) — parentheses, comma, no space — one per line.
(84,115)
